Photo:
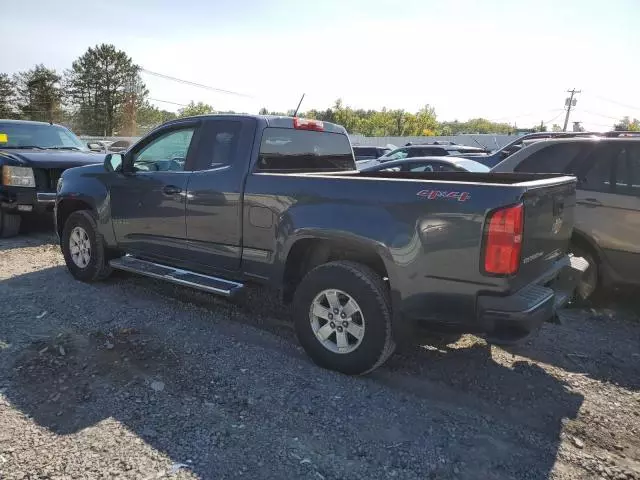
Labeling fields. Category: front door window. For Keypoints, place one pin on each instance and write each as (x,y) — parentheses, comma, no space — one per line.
(166,153)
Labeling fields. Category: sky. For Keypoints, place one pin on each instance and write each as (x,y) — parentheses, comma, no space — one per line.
(505,60)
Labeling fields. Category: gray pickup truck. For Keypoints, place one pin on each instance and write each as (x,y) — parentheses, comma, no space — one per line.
(215,202)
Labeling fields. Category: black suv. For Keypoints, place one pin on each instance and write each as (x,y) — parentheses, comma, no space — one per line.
(431,150)
(33,155)
(362,152)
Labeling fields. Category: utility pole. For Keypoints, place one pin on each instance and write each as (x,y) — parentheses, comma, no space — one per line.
(569,102)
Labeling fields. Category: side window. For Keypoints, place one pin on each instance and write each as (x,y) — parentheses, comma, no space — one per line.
(400,154)
(551,159)
(629,170)
(422,167)
(166,153)
(432,167)
(222,144)
(428,152)
(614,169)
(368,152)
(598,170)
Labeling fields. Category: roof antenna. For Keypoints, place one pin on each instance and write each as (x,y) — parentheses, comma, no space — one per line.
(298,107)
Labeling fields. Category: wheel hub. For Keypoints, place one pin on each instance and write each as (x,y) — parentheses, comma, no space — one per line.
(344,336)
(80,247)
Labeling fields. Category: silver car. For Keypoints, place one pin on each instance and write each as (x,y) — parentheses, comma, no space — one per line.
(607,224)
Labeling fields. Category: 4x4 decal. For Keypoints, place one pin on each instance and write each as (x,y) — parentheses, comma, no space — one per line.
(436,194)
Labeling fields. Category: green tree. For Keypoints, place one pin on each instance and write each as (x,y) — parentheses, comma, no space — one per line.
(426,122)
(105,89)
(541,128)
(149,116)
(626,124)
(475,125)
(195,109)
(39,94)
(556,128)
(7,96)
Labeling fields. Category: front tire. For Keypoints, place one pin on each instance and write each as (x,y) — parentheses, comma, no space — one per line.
(83,248)
(9,224)
(342,317)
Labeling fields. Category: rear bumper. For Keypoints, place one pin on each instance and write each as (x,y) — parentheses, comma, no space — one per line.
(527,309)
(26,200)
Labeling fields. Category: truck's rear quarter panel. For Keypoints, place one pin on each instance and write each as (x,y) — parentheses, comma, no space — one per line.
(428,234)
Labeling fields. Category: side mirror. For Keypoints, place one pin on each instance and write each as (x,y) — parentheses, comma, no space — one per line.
(113,162)
(94,147)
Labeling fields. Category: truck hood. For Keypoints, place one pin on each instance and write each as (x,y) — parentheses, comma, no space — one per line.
(50,158)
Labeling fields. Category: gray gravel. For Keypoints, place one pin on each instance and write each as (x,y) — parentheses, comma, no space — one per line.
(132,378)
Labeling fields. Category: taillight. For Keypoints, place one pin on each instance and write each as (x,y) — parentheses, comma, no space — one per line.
(308,124)
(503,241)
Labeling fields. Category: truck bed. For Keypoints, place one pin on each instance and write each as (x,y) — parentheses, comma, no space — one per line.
(467,177)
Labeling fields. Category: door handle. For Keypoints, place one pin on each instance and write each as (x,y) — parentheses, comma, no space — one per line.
(591,202)
(171,190)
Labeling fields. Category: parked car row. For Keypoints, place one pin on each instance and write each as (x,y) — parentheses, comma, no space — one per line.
(607,166)
(216,202)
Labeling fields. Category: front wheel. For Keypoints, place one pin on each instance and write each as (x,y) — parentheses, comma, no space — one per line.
(83,248)
(9,224)
(342,317)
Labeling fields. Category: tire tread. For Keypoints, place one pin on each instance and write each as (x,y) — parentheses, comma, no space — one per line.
(377,285)
(103,269)
(9,224)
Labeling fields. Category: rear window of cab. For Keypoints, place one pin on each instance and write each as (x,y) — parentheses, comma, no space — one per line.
(287,150)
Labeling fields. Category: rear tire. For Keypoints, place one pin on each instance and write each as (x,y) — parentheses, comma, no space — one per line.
(357,343)
(85,253)
(9,224)
(590,284)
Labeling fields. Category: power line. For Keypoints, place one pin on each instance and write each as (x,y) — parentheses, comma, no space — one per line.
(599,114)
(532,114)
(617,103)
(167,101)
(554,118)
(193,84)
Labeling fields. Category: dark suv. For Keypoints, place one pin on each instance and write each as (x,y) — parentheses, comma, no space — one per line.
(362,152)
(33,156)
(607,223)
(430,150)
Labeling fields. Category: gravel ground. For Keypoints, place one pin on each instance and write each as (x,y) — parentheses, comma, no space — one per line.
(133,378)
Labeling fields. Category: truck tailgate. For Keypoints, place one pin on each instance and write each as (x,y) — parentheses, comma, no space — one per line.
(548,224)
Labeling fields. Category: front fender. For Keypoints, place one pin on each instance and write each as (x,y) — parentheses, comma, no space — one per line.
(85,188)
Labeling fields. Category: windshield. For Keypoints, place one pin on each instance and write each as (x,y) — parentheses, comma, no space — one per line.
(34,135)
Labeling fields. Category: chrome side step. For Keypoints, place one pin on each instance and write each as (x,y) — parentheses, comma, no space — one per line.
(219,286)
